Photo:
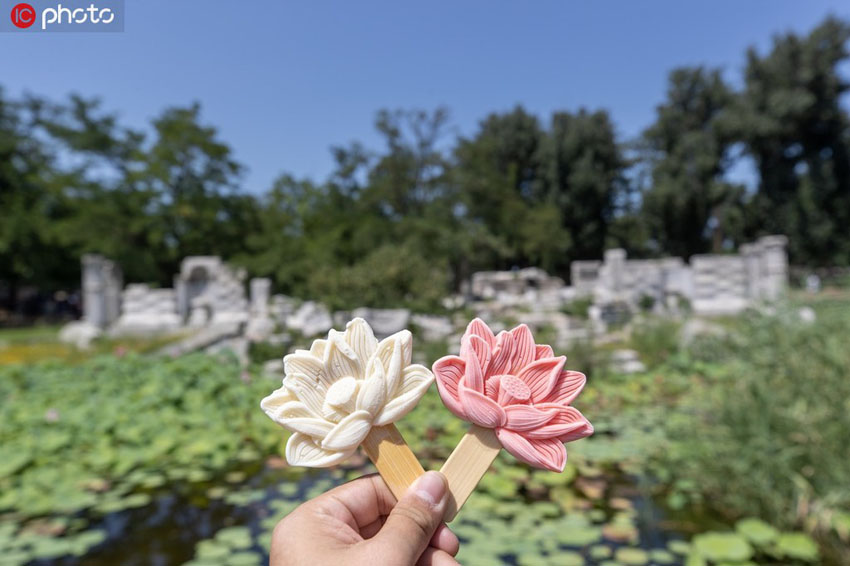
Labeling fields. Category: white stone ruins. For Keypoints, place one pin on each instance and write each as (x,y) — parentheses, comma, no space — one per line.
(209,296)
(714,284)
(207,292)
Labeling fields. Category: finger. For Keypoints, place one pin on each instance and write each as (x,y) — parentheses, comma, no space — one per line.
(435,557)
(444,539)
(370,530)
(412,522)
(359,503)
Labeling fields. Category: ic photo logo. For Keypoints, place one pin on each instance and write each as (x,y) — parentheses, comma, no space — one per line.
(68,15)
(23,16)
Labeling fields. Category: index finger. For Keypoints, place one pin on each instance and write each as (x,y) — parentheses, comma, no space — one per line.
(359,502)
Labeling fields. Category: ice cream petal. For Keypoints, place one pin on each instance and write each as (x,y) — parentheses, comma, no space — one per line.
(416,380)
(548,454)
(303,450)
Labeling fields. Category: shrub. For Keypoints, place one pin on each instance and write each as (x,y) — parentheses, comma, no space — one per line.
(646,303)
(655,340)
(768,433)
(578,307)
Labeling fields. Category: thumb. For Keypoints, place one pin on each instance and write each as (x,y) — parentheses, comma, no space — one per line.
(413,521)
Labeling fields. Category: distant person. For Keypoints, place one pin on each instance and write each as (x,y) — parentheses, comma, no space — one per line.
(360,524)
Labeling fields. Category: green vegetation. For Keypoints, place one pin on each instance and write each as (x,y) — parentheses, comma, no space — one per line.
(766,430)
(656,339)
(81,442)
(39,343)
(723,445)
(407,223)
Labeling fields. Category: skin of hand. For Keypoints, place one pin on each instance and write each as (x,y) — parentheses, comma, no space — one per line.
(361,524)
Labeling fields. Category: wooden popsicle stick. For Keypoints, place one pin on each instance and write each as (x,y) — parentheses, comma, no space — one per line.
(467,464)
(393,458)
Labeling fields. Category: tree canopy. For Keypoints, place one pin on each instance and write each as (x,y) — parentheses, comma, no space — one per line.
(408,222)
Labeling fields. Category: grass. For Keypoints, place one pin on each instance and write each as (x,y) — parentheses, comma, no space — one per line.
(39,333)
(40,343)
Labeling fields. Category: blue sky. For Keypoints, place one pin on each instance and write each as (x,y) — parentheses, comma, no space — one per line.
(283,81)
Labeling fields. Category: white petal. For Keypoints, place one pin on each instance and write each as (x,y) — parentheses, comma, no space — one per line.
(306,390)
(296,417)
(372,395)
(333,415)
(361,338)
(349,433)
(301,450)
(307,365)
(416,380)
(318,348)
(340,358)
(316,428)
(278,398)
(390,354)
(405,338)
(375,368)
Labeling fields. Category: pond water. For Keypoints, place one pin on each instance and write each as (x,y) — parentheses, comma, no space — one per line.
(166,532)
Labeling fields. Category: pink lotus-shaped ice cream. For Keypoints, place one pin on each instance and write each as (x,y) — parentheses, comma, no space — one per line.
(518,388)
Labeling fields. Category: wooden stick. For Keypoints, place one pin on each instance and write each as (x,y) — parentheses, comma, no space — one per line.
(393,458)
(467,464)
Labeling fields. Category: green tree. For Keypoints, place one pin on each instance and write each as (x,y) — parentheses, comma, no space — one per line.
(584,180)
(791,118)
(30,202)
(689,205)
(107,212)
(199,210)
(497,172)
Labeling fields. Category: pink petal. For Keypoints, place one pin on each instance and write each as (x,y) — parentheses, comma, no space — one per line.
(524,348)
(501,360)
(479,328)
(548,454)
(482,351)
(543,351)
(578,433)
(491,387)
(569,385)
(567,424)
(474,377)
(448,372)
(481,410)
(522,418)
(541,376)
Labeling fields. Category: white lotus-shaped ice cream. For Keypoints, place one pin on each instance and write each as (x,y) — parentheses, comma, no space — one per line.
(333,394)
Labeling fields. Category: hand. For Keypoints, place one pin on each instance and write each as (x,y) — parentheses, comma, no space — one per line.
(360,524)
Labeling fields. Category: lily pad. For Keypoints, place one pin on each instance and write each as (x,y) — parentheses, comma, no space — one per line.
(662,557)
(679,547)
(244,559)
(632,556)
(580,536)
(235,537)
(798,546)
(757,531)
(566,558)
(15,558)
(46,548)
(211,549)
(723,547)
(620,532)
